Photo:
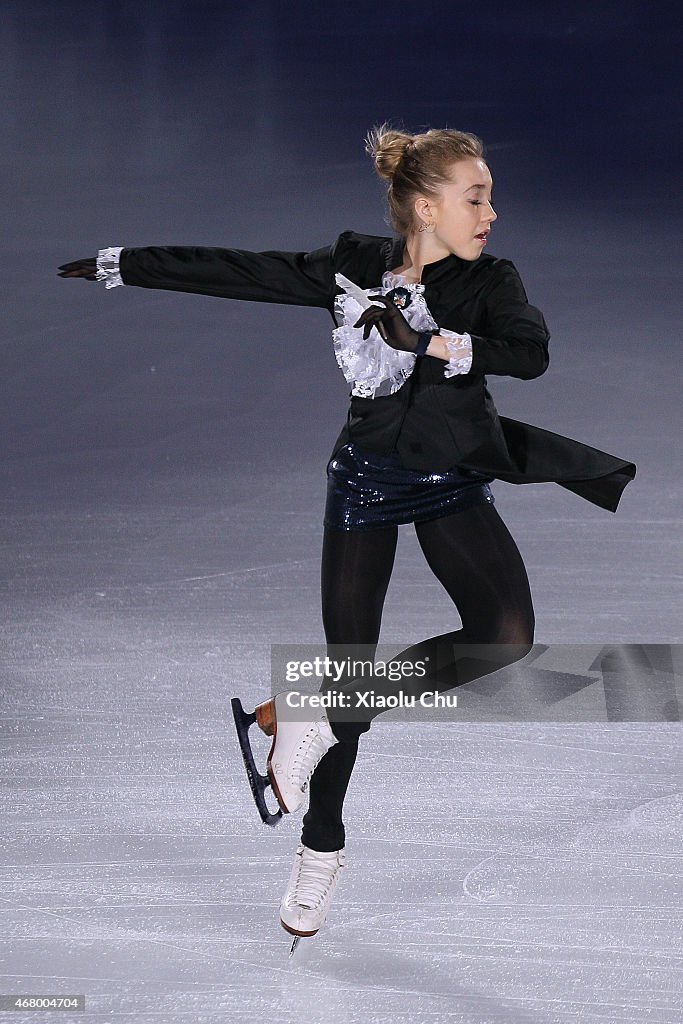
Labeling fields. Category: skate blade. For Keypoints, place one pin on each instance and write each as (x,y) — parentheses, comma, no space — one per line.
(307,948)
(257,782)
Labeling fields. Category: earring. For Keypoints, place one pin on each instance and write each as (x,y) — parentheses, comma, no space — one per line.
(427,227)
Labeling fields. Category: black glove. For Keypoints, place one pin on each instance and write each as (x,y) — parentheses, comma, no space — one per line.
(80,268)
(391,324)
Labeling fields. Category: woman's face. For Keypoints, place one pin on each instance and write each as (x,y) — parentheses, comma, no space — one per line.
(463,210)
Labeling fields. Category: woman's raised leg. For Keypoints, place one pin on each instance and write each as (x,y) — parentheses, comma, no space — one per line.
(475,558)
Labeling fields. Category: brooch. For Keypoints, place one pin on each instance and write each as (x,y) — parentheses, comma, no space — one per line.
(401,297)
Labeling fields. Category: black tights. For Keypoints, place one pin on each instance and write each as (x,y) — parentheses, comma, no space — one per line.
(473,555)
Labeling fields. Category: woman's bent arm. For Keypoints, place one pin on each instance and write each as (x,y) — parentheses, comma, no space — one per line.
(516,341)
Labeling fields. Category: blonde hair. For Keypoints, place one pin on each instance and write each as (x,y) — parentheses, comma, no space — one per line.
(416,165)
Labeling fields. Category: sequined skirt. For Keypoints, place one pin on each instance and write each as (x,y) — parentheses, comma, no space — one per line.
(366,491)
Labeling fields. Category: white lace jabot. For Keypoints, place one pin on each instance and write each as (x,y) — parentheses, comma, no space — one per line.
(374,368)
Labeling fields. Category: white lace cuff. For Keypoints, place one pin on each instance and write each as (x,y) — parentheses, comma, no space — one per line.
(108,266)
(460,348)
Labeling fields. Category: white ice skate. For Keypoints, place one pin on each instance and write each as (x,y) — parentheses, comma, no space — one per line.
(296,751)
(307,897)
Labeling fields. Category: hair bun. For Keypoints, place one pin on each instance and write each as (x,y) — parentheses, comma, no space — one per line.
(417,165)
(386,146)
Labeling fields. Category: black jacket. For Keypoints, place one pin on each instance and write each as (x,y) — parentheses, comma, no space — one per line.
(433,421)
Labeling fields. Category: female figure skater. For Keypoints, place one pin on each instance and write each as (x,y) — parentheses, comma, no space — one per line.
(420,320)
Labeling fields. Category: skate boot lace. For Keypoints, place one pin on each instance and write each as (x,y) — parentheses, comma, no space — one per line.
(315,878)
(305,760)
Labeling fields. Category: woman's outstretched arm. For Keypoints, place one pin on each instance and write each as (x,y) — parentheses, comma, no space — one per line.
(293,278)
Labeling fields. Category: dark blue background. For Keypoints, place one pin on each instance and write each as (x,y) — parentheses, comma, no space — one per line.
(242,125)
